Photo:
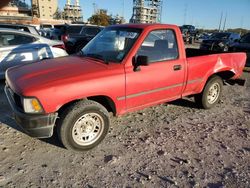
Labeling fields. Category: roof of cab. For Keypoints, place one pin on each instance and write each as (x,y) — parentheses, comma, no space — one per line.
(144,26)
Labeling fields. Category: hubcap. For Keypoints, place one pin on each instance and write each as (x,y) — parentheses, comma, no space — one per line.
(213,93)
(88,129)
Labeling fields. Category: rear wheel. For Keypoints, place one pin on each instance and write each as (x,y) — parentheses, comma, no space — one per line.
(83,125)
(211,93)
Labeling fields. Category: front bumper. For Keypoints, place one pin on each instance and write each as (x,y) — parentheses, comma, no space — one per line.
(35,125)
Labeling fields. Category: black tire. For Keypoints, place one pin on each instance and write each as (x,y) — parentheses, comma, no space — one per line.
(207,99)
(87,117)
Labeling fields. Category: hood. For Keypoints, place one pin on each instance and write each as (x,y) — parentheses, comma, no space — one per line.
(53,72)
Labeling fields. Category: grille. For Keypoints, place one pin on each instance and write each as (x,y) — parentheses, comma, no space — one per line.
(17,99)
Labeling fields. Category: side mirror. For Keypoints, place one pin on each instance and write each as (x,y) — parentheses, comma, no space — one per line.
(141,60)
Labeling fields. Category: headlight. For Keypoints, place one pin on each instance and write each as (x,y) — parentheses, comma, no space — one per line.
(32,105)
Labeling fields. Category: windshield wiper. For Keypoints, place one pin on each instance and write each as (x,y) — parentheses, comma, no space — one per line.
(97,56)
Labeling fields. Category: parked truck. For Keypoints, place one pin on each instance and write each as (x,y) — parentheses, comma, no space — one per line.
(123,69)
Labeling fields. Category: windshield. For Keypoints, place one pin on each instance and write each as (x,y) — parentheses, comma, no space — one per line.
(220,36)
(245,38)
(112,44)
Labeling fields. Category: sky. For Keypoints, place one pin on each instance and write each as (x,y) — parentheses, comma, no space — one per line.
(204,14)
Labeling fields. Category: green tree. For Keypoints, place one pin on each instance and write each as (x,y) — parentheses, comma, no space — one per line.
(100,18)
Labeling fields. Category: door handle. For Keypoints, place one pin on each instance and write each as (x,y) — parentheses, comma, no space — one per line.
(177,67)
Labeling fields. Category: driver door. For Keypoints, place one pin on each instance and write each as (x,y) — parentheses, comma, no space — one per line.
(163,78)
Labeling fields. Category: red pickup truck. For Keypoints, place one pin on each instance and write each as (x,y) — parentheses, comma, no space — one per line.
(123,69)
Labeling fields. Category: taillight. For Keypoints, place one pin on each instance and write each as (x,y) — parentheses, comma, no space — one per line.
(59,46)
(64,38)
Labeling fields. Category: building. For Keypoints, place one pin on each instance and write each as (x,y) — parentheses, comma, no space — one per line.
(146,11)
(44,9)
(72,12)
(16,11)
(116,20)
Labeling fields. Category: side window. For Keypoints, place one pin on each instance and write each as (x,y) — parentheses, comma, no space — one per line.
(11,39)
(74,29)
(25,29)
(159,45)
(91,31)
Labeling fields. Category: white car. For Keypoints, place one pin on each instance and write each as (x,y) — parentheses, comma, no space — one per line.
(18,47)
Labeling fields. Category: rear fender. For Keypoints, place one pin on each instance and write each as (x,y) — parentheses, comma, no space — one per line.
(229,66)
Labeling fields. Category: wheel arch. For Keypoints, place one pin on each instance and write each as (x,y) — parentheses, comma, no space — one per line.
(105,101)
(224,75)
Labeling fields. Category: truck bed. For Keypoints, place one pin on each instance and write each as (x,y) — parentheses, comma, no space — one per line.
(203,63)
(191,52)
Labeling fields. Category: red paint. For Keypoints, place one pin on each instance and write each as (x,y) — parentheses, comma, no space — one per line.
(59,81)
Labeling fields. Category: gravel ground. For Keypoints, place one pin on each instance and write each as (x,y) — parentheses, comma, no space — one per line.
(170,145)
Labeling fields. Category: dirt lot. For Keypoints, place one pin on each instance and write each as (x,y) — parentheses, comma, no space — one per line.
(174,145)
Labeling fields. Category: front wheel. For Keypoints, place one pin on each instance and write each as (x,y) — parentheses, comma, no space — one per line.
(211,93)
(83,125)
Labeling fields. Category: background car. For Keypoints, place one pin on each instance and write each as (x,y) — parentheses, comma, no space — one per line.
(57,32)
(45,30)
(76,36)
(17,47)
(203,36)
(26,28)
(189,33)
(243,45)
(220,41)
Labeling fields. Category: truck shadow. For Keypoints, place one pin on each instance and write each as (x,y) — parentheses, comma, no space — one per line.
(6,118)
(54,140)
(186,103)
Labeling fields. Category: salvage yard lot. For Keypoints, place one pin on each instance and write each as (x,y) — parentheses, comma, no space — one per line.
(170,145)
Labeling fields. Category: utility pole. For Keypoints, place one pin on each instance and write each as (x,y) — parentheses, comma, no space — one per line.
(123,8)
(241,24)
(160,11)
(95,8)
(220,20)
(185,14)
(225,22)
